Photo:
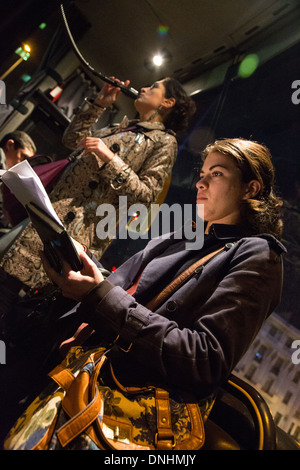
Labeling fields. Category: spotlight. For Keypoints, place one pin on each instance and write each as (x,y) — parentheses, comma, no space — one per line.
(24,53)
(157,60)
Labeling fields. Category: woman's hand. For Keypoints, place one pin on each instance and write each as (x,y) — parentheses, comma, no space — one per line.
(109,93)
(74,284)
(98,147)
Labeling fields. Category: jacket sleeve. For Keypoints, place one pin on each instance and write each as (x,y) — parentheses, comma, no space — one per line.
(197,356)
(80,126)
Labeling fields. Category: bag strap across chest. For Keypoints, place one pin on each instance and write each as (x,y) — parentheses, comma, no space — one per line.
(183,277)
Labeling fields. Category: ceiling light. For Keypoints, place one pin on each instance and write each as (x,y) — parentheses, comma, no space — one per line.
(157,60)
(160,58)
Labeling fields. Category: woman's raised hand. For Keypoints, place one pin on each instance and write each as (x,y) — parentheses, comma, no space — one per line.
(109,93)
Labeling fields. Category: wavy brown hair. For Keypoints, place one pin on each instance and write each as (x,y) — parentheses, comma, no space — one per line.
(180,114)
(263,212)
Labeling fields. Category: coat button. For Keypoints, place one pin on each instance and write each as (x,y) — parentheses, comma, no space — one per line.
(171,306)
(198,269)
(115,148)
(70,216)
(229,245)
(93,184)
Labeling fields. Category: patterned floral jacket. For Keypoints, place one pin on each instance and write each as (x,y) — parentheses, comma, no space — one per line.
(144,157)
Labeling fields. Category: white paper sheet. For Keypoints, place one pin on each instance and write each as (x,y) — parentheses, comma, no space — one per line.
(25,184)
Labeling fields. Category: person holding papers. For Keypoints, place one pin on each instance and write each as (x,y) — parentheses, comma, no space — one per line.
(14,148)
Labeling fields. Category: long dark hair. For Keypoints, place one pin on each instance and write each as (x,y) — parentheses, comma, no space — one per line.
(179,116)
(263,212)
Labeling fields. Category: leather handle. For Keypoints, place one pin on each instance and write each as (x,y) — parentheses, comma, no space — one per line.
(164,438)
(80,422)
(62,376)
(86,416)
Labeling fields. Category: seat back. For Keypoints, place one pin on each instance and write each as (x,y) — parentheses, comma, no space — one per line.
(242,413)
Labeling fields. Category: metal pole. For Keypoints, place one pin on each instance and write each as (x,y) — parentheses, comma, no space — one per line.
(8,71)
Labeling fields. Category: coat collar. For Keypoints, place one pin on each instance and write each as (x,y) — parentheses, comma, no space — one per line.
(149,126)
(224,231)
(218,231)
(156,246)
(228,232)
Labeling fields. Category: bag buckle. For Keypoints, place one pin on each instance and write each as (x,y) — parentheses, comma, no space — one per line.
(170,438)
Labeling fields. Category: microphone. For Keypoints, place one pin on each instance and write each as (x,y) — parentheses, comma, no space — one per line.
(129,91)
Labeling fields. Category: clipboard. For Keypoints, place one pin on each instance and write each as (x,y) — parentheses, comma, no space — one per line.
(27,187)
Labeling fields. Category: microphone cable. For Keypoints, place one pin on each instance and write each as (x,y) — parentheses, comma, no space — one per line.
(128,91)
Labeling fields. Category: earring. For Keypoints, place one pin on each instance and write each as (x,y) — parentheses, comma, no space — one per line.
(155,113)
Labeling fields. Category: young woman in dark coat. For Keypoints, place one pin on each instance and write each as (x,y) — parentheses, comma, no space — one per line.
(193,339)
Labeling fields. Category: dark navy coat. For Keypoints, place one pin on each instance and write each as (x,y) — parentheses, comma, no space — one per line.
(197,336)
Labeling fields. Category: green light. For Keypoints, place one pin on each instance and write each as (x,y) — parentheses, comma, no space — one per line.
(43,26)
(248,66)
(25,77)
(20,51)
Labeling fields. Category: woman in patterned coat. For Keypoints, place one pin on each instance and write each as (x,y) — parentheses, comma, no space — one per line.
(132,159)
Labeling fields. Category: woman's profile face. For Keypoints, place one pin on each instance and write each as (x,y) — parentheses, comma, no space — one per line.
(220,189)
(150,98)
